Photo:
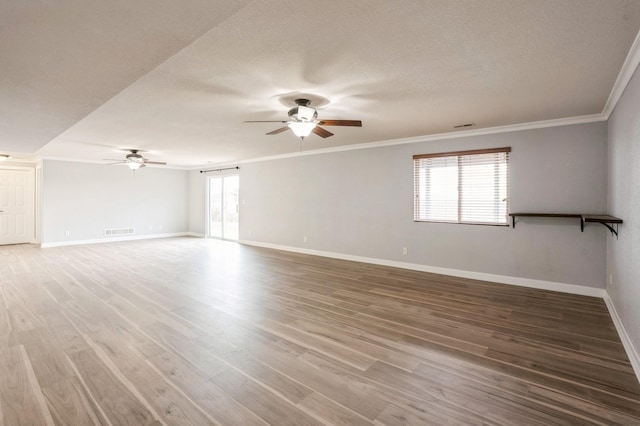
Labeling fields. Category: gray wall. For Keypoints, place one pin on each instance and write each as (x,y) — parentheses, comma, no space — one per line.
(361,203)
(84,199)
(197,202)
(623,261)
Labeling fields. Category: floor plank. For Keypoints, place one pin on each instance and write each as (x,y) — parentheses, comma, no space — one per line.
(197,331)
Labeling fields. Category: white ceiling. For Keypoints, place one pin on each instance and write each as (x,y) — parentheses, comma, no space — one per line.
(80,80)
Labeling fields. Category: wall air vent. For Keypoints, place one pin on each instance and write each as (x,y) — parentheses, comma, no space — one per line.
(461,126)
(118,232)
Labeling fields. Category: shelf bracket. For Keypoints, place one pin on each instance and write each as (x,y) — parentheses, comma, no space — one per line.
(609,227)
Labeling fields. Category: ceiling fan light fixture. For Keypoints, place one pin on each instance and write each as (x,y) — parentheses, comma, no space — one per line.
(134,165)
(303,120)
(302,129)
(4,157)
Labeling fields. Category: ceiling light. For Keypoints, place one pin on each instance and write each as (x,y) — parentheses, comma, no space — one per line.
(4,157)
(302,129)
(133,165)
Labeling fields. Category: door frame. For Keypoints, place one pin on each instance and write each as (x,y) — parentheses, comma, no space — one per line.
(35,207)
(208,206)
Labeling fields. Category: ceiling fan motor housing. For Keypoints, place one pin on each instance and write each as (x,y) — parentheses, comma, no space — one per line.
(134,157)
(302,113)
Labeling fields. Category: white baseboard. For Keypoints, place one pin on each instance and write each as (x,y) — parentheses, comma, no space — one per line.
(195,234)
(632,353)
(112,239)
(482,276)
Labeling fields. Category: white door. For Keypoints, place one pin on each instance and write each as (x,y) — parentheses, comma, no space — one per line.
(16,206)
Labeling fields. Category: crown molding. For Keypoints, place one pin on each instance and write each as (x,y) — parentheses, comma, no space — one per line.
(76,160)
(20,160)
(624,76)
(557,122)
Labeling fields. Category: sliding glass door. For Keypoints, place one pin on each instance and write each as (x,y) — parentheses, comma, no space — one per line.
(224,207)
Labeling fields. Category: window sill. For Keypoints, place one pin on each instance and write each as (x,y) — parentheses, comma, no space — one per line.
(462,223)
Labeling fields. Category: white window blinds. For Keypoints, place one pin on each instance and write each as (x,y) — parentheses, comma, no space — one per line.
(462,187)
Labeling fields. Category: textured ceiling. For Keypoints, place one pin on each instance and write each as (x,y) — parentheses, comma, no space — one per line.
(82,79)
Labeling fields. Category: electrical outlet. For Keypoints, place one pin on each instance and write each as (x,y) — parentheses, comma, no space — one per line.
(404,250)
(304,239)
(67,233)
(610,279)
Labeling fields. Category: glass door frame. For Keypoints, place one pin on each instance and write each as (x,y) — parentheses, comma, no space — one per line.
(208,206)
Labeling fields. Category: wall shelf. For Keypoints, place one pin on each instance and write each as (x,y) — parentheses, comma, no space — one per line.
(603,219)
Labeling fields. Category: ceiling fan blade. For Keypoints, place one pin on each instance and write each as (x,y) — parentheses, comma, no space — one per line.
(353,123)
(116,162)
(280,130)
(161,163)
(322,132)
(266,121)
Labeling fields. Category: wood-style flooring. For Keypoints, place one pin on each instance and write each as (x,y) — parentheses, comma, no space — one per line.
(193,332)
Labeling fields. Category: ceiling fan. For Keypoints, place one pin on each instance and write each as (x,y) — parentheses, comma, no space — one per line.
(135,161)
(303,120)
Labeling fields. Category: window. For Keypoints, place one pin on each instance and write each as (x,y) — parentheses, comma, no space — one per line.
(462,187)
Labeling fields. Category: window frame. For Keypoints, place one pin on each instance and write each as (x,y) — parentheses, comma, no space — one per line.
(418,184)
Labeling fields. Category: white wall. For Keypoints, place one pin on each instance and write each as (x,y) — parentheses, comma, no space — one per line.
(360,203)
(85,199)
(623,255)
(197,202)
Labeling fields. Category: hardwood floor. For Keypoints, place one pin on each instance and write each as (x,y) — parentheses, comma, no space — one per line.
(191,331)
